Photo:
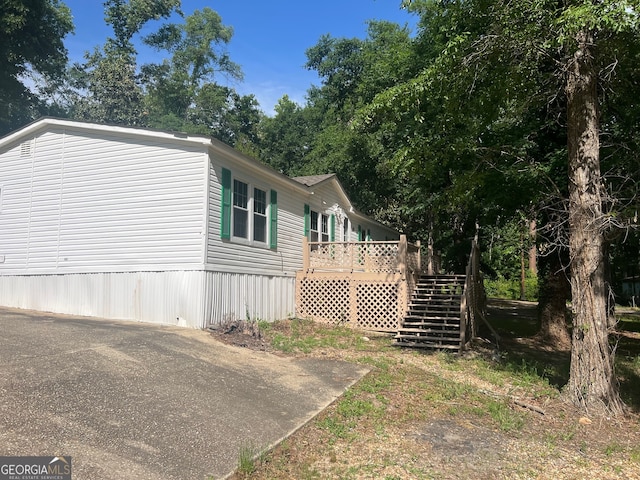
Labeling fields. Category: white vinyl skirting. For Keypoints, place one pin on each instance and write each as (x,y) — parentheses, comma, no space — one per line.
(187,298)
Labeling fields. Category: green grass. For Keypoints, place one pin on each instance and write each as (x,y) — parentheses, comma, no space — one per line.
(629,320)
(247,457)
(304,336)
(505,416)
(367,432)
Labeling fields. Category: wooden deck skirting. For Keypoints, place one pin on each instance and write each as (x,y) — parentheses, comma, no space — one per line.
(363,284)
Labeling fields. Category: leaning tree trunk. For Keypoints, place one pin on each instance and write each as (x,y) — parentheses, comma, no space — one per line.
(592,384)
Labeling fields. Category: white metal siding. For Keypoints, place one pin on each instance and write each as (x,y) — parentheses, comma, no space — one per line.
(158,297)
(92,202)
(188,298)
(230,256)
(232,296)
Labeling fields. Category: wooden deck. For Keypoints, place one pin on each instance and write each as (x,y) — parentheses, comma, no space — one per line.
(381,286)
(363,284)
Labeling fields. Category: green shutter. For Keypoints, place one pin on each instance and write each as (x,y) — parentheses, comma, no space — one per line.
(225,213)
(368,235)
(332,228)
(273,220)
(307,220)
(359,233)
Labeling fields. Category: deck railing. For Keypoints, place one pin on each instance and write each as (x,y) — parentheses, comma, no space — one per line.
(369,257)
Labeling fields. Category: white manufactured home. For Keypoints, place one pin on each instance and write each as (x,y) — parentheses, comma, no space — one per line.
(130,223)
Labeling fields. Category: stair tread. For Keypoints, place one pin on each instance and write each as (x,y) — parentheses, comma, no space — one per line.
(445,335)
(435,295)
(431,298)
(427,323)
(426,345)
(433,313)
(420,309)
(425,301)
(430,337)
(440,288)
(442,277)
(424,339)
(431,328)
(444,306)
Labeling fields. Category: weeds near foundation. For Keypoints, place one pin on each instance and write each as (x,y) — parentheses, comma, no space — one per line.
(304,336)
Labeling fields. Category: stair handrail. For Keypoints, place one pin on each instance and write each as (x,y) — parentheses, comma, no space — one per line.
(474,297)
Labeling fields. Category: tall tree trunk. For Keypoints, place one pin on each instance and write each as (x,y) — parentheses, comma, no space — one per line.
(533,250)
(523,271)
(592,384)
(555,290)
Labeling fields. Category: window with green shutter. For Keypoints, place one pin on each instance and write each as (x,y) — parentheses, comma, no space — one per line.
(248,213)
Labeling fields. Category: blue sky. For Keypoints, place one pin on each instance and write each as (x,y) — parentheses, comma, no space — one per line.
(270,37)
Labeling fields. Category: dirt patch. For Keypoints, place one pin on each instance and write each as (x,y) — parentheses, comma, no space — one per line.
(447,437)
(241,333)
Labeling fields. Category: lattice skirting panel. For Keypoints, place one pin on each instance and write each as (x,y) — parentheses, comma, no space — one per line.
(365,302)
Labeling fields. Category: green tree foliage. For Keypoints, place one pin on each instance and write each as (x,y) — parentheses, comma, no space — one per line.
(178,94)
(32,33)
(352,71)
(504,86)
(286,138)
(109,89)
(182,93)
(196,56)
(127,17)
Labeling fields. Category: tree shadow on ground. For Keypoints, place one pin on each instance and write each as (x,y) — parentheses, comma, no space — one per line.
(517,325)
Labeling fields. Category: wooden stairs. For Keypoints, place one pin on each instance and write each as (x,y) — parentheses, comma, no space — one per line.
(433,316)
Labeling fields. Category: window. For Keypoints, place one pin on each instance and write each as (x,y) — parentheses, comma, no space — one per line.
(324,225)
(319,227)
(248,214)
(259,215)
(240,209)
(314,227)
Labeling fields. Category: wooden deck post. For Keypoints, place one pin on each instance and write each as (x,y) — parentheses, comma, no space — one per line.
(305,254)
(402,256)
(403,299)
